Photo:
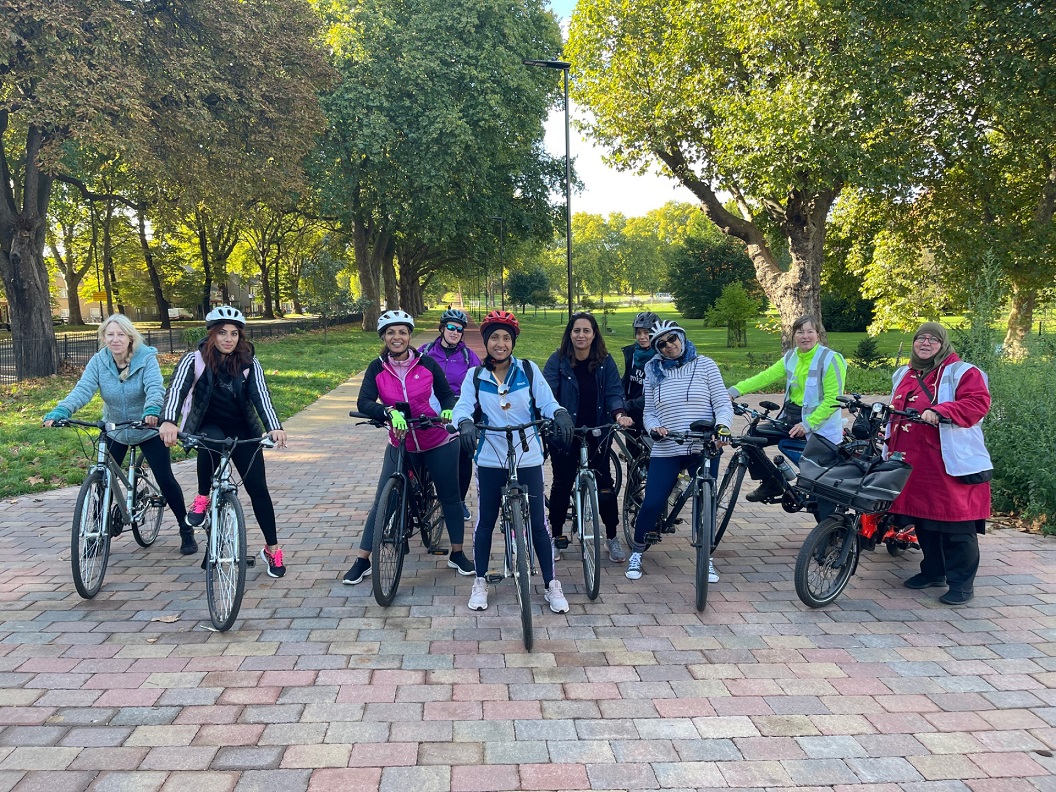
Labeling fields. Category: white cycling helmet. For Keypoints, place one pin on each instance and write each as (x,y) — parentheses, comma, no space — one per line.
(396,317)
(662,328)
(224,314)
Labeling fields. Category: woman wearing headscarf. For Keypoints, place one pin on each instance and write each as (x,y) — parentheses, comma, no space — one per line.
(947,496)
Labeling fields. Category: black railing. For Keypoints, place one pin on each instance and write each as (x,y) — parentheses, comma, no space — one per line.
(76,349)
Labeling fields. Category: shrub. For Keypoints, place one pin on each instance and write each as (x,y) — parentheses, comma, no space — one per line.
(842,315)
(193,335)
(867,354)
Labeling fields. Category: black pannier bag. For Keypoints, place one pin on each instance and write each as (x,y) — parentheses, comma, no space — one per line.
(828,471)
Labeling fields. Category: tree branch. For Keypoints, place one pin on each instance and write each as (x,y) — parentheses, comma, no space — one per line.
(8,209)
(90,195)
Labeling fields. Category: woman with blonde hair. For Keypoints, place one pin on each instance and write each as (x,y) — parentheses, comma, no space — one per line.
(126,374)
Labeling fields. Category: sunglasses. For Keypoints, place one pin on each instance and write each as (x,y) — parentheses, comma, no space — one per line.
(504,401)
(454,328)
(663,342)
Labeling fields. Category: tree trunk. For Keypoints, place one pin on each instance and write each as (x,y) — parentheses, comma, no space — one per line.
(1020,321)
(203,249)
(392,287)
(73,286)
(371,247)
(265,285)
(152,271)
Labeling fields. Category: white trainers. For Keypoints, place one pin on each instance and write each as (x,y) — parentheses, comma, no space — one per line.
(556,597)
(557,551)
(478,598)
(616,554)
(634,566)
(713,576)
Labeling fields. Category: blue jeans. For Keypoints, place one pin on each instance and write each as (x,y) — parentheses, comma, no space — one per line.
(663,473)
(490,482)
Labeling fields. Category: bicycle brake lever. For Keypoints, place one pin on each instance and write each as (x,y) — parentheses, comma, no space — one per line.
(524,441)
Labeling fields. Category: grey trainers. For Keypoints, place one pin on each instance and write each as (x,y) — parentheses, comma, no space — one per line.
(556,597)
(713,576)
(616,554)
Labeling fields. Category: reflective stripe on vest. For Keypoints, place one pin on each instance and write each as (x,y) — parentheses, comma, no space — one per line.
(814,390)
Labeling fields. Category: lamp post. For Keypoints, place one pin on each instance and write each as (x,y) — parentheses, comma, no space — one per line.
(564,66)
(502,236)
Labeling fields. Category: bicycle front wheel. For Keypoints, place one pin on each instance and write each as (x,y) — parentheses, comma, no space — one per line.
(518,527)
(633,496)
(726,496)
(148,508)
(90,536)
(617,471)
(431,515)
(826,562)
(225,568)
(588,524)
(390,522)
(703,528)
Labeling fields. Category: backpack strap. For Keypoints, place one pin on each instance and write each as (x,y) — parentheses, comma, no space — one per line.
(199,369)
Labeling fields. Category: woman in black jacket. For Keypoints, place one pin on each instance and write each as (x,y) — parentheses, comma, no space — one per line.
(585,381)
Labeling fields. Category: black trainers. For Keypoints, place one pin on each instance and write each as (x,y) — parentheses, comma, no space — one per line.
(359,570)
(763,492)
(196,515)
(187,544)
(459,561)
(956,597)
(922,581)
(276,569)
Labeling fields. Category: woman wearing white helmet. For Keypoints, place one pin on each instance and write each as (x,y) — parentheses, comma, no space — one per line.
(680,387)
(228,398)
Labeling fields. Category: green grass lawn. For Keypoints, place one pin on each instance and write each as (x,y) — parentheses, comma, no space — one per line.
(299,369)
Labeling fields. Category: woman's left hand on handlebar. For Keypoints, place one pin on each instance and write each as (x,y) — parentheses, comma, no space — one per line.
(278,436)
(625,421)
(150,420)
(799,430)
(931,417)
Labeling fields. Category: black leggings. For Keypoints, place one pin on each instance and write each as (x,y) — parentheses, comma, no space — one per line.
(465,471)
(157,456)
(249,462)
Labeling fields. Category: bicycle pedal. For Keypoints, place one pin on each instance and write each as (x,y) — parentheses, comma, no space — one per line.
(652,537)
(561,542)
(251,561)
(438,551)
(669,529)
(494,577)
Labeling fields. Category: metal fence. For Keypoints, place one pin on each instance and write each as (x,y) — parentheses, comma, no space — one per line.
(76,349)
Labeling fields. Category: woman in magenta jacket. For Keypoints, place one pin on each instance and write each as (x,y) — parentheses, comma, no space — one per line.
(456,360)
(401,375)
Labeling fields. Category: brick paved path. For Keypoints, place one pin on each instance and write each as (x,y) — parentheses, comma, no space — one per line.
(318,688)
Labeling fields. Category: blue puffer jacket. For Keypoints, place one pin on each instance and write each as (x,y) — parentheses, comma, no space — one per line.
(139,395)
(562,380)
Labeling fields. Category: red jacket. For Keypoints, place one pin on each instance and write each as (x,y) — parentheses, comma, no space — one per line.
(930,492)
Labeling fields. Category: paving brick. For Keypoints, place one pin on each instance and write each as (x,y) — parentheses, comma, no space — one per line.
(345,780)
(248,757)
(554,776)
(316,756)
(212,781)
(273,781)
(485,779)
(39,758)
(47,781)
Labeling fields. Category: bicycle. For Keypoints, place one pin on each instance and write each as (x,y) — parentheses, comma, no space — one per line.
(408,502)
(518,553)
(103,509)
(586,513)
(225,558)
(854,476)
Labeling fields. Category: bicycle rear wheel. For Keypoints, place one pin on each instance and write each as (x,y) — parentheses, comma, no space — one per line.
(225,568)
(390,522)
(826,561)
(632,497)
(148,508)
(726,496)
(588,524)
(617,471)
(90,536)
(518,527)
(703,528)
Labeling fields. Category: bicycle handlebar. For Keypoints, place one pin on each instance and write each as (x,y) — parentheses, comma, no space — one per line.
(103,426)
(190,441)
(854,402)
(421,422)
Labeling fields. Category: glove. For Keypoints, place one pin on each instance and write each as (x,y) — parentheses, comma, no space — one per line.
(58,414)
(446,415)
(467,435)
(722,432)
(399,423)
(563,428)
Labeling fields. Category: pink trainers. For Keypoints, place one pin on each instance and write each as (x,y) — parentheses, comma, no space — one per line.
(274,562)
(196,516)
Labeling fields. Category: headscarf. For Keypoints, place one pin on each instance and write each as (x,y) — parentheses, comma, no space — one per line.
(935,330)
(659,363)
(642,356)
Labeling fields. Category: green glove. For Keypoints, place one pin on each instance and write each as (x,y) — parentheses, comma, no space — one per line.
(399,423)
(447,415)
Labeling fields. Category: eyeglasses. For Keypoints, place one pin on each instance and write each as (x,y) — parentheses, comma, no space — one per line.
(926,339)
(663,342)
(454,328)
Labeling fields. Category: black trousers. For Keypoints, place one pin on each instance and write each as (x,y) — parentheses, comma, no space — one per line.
(565,466)
(465,471)
(157,456)
(954,556)
(249,462)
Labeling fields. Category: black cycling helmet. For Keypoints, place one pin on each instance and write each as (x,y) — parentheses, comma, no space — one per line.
(645,320)
(454,315)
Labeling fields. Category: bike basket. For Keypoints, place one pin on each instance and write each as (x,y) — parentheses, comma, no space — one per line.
(867,485)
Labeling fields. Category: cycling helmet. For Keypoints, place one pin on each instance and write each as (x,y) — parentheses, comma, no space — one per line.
(224,314)
(645,320)
(454,315)
(496,319)
(396,317)
(662,328)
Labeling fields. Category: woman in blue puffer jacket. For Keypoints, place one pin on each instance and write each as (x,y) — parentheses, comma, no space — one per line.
(125,372)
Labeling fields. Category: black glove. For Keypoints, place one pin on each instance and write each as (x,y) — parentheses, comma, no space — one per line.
(467,434)
(722,432)
(563,428)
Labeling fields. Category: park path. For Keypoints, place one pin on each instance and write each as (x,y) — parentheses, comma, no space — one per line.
(318,688)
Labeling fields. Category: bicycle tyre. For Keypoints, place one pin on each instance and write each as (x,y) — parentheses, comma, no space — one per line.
(390,524)
(617,471)
(895,548)
(703,528)
(225,571)
(819,579)
(431,513)
(90,536)
(522,583)
(148,508)
(633,495)
(588,517)
(726,496)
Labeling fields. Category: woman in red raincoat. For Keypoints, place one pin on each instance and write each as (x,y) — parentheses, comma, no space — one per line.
(947,496)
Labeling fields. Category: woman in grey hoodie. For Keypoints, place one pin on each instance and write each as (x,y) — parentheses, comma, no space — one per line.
(126,374)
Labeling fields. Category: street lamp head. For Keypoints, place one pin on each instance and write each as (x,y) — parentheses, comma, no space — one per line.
(547,64)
